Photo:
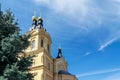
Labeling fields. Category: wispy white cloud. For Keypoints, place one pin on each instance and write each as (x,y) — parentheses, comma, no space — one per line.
(98,72)
(107,44)
(87,53)
(42,2)
(114,38)
(115,76)
(79,10)
(82,10)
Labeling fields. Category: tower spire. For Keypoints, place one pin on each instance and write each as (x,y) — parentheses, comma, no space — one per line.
(34,12)
(40,14)
(59,47)
(34,19)
(59,52)
(40,22)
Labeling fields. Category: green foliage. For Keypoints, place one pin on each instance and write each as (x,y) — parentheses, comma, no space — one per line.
(12,65)
(22,63)
(12,72)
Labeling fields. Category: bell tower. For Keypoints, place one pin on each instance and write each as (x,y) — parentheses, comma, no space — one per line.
(44,66)
(40,46)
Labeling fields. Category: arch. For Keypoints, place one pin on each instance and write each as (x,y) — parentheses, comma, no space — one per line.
(42,43)
(48,47)
(33,44)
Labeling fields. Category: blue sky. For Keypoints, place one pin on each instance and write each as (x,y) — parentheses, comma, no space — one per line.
(88,31)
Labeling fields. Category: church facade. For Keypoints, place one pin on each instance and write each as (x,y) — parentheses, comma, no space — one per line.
(44,66)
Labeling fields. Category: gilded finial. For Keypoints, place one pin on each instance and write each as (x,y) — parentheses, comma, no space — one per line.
(59,47)
(34,18)
(40,16)
(34,12)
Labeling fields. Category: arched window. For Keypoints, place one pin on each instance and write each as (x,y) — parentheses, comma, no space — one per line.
(41,42)
(48,47)
(48,66)
(33,44)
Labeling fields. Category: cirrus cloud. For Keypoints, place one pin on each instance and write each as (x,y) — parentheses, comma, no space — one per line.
(98,72)
(82,10)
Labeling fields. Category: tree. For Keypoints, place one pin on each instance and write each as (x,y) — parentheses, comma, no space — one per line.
(13,64)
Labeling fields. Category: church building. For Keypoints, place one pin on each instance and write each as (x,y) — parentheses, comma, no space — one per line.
(44,66)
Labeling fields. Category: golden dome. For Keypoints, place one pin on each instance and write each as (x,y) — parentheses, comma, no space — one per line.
(34,18)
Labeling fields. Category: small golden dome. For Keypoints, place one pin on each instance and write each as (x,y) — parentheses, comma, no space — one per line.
(34,18)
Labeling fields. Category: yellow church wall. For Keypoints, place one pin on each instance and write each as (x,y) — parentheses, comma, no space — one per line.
(66,77)
(38,74)
(46,43)
(60,64)
(47,75)
(48,62)
(56,76)
(38,59)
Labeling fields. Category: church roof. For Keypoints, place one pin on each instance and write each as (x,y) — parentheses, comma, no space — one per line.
(64,72)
